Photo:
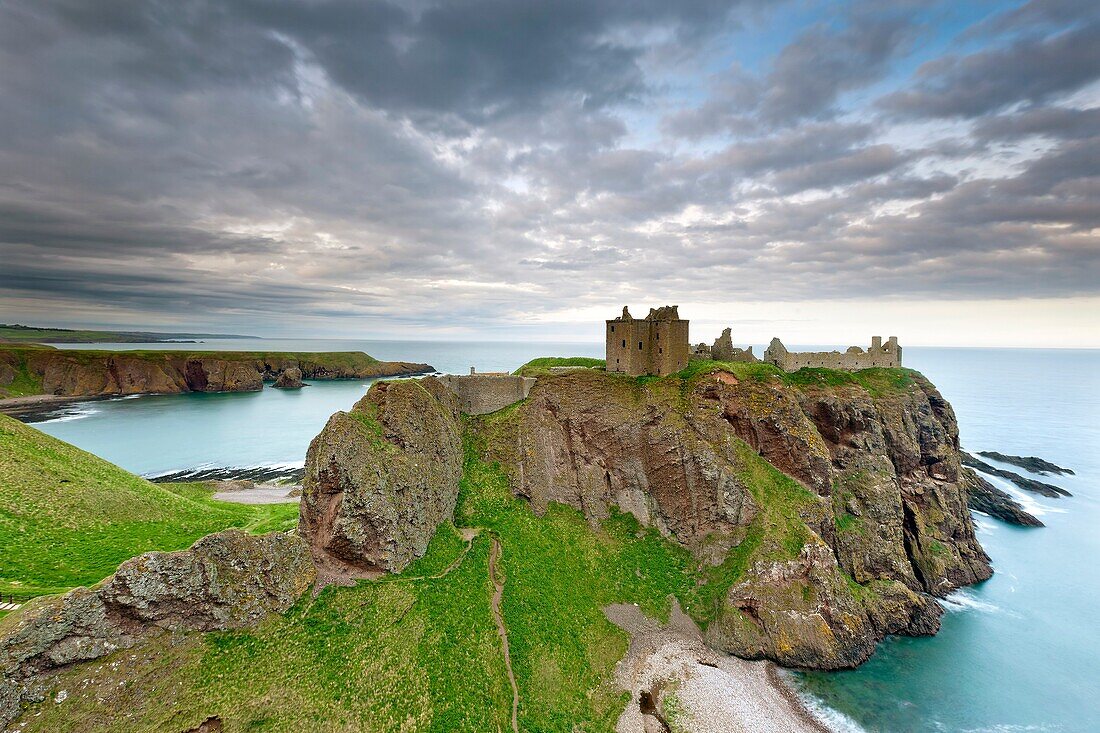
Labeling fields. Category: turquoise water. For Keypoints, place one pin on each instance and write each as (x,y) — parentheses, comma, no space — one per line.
(1018,653)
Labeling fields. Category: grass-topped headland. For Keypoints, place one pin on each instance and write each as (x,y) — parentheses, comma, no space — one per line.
(878,381)
(30,370)
(68,518)
(597,489)
(32,334)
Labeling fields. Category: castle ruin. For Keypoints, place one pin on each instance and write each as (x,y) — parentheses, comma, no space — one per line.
(722,350)
(654,345)
(878,355)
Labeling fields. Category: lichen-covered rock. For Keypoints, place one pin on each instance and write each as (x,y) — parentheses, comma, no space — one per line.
(226,580)
(290,379)
(380,478)
(882,520)
(803,613)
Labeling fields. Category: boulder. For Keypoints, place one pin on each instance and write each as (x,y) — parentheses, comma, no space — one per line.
(224,581)
(380,478)
(290,379)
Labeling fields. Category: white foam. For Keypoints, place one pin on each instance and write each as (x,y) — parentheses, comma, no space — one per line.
(831,718)
(1011,728)
(965,600)
(68,414)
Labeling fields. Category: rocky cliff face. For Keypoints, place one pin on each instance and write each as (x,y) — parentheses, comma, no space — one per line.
(873,523)
(80,373)
(226,580)
(381,478)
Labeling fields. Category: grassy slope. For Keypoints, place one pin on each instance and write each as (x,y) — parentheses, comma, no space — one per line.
(68,518)
(418,652)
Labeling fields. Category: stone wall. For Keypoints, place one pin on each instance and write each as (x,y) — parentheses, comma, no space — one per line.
(722,350)
(657,344)
(878,355)
(480,394)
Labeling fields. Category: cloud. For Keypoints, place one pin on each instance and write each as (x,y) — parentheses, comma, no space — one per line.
(1030,70)
(339,164)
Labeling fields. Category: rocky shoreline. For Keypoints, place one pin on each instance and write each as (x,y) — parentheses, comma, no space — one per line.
(676,682)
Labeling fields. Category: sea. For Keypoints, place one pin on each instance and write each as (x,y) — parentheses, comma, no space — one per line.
(1020,652)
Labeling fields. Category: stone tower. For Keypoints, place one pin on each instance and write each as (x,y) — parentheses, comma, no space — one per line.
(657,344)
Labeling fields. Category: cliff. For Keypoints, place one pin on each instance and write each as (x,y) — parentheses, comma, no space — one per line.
(864,521)
(381,478)
(26,370)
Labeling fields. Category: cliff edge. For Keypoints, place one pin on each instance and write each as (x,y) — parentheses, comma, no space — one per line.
(32,370)
(825,509)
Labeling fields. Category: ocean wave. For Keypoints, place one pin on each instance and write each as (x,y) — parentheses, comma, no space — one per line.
(1010,728)
(67,414)
(829,717)
(965,600)
(260,472)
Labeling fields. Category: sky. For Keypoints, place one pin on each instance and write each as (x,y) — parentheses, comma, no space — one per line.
(498,169)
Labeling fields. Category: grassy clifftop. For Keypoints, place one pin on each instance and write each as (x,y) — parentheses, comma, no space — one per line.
(876,380)
(68,518)
(30,369)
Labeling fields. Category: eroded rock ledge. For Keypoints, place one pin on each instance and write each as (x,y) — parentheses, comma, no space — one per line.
(224,581)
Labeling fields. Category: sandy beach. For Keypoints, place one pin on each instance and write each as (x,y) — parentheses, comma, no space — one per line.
(676,682)
(246,492)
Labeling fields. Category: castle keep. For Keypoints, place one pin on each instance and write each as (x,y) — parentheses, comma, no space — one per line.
(656,344)
(878,355)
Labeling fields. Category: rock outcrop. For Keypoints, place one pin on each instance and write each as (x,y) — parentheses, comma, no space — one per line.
(1028,463)
(94,373)
(290,379)
(1027,484)
(986,498)
(224,581)
(874,522)
(380,478)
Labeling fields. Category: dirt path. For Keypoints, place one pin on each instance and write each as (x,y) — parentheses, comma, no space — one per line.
(502,630)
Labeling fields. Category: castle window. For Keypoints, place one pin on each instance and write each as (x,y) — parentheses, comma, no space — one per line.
(639,346)
(612,329)
(624,343)
(660,351)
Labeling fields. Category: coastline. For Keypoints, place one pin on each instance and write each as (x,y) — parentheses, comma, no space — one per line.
(673,677)
(33,405)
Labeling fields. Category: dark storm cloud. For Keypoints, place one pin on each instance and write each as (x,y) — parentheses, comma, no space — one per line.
(476,162)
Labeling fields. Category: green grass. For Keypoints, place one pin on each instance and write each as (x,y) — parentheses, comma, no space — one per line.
(68,518)
(878,381)
(418,651)
(392,655)
(543,364)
